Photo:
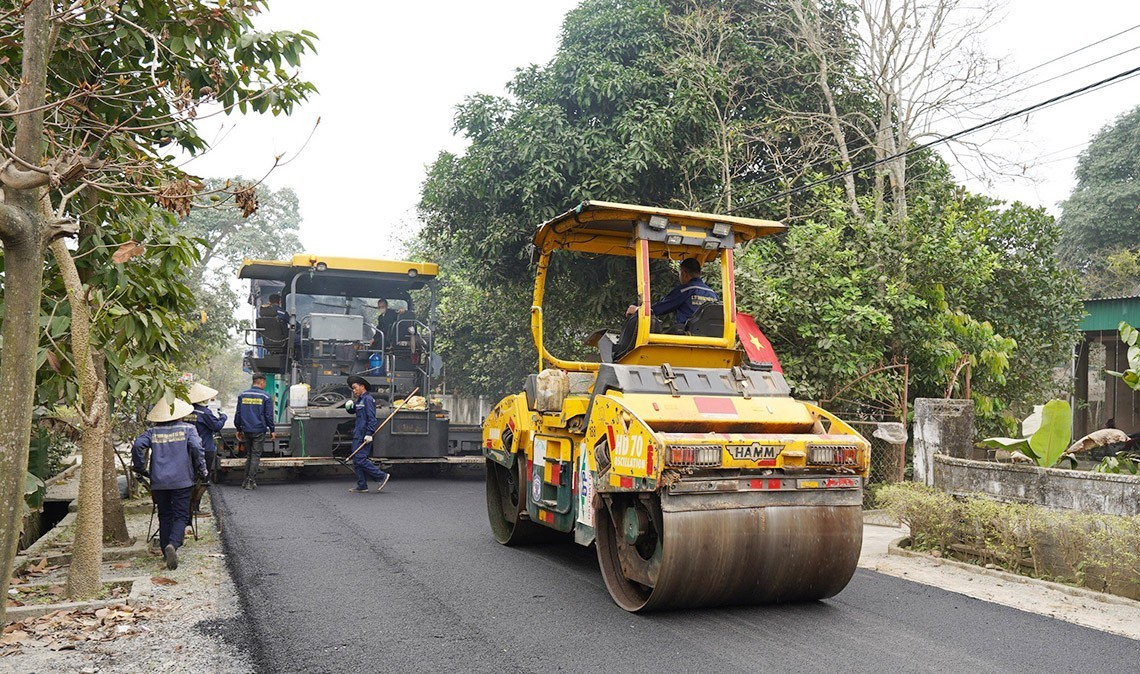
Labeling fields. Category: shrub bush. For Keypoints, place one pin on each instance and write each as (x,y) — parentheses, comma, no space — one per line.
(1101,552)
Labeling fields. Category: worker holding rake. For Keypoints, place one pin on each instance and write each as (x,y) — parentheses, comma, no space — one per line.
(365,409)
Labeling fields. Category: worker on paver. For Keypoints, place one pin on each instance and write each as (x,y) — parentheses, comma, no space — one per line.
(176,457)
(364,407)
(253,419)
(207,422)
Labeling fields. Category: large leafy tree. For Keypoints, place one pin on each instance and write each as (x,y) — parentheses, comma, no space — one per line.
(657,102)
(92,94)
(1101,218)
(663,102)
(228,233)
(113,311)
(982,287)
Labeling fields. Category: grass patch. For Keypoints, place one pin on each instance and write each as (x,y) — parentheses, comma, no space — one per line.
(1101,552)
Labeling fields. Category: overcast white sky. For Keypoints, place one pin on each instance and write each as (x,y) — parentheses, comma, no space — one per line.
(390,75)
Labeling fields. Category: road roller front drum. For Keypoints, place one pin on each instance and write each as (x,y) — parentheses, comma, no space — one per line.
(688,554)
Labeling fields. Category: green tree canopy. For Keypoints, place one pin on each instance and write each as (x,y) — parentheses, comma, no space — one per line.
(93,96)
(633,107)
(1102,215)
(712,106)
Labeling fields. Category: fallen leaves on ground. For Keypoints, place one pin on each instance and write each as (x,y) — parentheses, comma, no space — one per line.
(162,580)
(31,571)
(62,630)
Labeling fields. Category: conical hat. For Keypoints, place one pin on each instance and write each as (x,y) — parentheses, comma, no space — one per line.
(162,411)
(200,393)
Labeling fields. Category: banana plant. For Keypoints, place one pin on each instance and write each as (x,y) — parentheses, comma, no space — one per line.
(1130,335)
(1050,444)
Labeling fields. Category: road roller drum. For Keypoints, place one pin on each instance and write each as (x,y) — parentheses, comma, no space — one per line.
(724,556)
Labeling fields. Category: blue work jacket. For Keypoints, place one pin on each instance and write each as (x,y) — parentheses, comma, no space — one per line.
(684,300)
(365,410)
(176,455)
(254,412)
(206,422)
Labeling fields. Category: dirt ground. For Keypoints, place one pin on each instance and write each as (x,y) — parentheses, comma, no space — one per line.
(187,620)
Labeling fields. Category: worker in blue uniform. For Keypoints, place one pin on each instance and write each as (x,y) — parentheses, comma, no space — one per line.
(207,422)
(253,419)
(364,407)
(685,297)
(176,458)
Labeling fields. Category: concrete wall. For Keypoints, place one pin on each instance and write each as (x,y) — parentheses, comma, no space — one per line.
(1055,488)
(942,426)
(466,410)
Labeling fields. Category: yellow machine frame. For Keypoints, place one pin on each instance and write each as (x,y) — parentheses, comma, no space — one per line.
(678,444)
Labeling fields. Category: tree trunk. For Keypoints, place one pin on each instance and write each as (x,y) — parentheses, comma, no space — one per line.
(810,29)
(22,218)
(23,278)
(114,519)
(83,576)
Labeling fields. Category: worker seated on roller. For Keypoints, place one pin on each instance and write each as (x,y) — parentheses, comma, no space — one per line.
(685,297)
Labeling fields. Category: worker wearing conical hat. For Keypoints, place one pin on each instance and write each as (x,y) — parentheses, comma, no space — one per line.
(176,457)
(207,423)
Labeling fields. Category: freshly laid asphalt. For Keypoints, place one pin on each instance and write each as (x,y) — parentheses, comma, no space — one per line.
(411,580)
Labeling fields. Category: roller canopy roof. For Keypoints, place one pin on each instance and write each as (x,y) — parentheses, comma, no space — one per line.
(355,277)
(611,229)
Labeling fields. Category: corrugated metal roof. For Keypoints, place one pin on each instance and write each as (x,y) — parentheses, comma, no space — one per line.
(1109,299)
(1106,313)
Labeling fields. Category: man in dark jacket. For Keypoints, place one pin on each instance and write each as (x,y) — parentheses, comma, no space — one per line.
(176,457)
(365,409)
(685,297)
(207,423)
(253,419)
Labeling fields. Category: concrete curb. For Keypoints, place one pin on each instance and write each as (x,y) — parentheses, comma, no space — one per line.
(134,596)
(879,517)
(64,558)
(895,548)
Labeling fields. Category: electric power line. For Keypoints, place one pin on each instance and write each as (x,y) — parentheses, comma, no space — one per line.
(1055,59)
(1119,77)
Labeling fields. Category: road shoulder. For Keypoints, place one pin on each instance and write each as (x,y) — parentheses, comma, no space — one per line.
(1104,612)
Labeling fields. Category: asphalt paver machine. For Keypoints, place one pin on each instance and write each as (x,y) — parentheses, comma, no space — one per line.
(325,329)
(698,477)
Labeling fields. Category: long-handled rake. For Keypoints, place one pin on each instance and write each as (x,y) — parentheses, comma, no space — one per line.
(382,425)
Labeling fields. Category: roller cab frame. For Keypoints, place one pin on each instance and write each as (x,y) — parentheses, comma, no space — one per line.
(698,477)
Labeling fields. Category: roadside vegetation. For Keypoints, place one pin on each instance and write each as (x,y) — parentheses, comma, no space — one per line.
(99,299)
(1100,552)
(791,112)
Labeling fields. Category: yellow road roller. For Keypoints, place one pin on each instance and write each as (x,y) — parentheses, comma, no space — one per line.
(693,471)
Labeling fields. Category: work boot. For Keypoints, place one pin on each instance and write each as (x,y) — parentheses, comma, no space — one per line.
(383,481)
(170,554)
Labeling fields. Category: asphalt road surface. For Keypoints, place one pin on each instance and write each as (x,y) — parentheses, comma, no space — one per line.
(410,580)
